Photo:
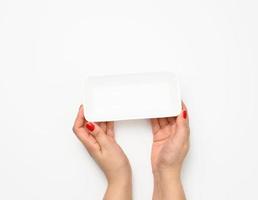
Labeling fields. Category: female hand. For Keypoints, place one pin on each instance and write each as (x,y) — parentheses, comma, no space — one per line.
(99,140)
(170,146)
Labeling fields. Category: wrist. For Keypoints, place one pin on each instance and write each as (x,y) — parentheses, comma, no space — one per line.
(119,188)
(168,173)
(167,185)
(120,182)
(167,176)
(122,179)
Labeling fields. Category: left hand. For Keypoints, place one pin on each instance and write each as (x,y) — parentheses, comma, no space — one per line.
(99,140)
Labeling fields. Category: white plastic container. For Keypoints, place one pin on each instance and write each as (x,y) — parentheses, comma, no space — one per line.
(131,96)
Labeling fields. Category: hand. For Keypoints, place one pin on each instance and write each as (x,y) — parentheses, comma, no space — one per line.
(170,146)
(99,140)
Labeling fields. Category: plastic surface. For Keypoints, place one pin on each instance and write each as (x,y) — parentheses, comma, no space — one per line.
(131,96)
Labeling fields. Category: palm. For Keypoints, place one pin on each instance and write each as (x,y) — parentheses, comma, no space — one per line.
(163,130)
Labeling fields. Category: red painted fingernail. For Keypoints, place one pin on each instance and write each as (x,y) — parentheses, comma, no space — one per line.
(90,126)
(184,114)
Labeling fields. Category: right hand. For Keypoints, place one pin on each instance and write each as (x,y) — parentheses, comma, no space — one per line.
(170,146)
(170,142)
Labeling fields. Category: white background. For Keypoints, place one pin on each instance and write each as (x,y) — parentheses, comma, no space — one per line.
(48,47)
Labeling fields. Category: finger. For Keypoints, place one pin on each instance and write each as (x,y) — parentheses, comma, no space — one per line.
(183,119)
(82,134)
(163,122)
(95,130)
(184,106)
(103,126)
(155,125)
(171,120)
(89,142)
(182,125)
(91,138)
(79,121)
(110,129)
(172,125)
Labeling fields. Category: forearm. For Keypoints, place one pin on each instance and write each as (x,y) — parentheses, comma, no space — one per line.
(119,190)
(168,186)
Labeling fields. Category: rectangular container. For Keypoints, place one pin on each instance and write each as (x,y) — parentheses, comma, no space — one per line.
(131,96)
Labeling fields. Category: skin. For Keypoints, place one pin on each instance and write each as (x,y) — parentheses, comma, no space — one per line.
(102,146)
(170,146)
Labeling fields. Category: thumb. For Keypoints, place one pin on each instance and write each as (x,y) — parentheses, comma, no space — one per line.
(182,126)
(98,133)
(182,120)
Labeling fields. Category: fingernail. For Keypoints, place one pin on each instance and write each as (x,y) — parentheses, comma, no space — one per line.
(184,114)
(90,126)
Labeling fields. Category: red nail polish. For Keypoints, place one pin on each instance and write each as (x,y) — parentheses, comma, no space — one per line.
(184,114)
(90,126)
